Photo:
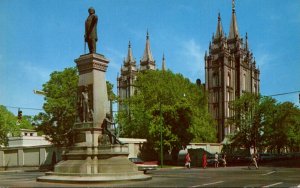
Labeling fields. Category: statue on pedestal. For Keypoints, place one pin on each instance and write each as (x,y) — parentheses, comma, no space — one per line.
(86,114)
(105,130)
(91,30)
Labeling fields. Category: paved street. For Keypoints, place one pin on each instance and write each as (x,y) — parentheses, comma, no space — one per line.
(195,177)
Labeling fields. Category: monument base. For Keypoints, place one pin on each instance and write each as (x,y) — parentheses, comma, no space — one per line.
(94,165)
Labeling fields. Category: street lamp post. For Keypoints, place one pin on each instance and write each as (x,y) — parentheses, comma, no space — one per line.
(161,138)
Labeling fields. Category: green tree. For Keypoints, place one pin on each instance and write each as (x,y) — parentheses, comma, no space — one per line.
(170,103)
(267,108)
(266,124)
(61,106)
(9,123)
(283,131)
(246,120)
(294,130)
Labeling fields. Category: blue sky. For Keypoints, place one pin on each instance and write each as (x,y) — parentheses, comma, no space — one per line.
(38,37)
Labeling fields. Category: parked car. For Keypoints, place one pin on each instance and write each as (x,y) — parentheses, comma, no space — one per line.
(266,157)
(144,165)
(238,159)
(211,160)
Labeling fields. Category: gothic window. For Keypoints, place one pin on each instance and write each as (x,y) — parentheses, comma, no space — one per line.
(244,82)
(228,99)
(215,80)
(215,112)
(254,88)
(228,79)
(215,97)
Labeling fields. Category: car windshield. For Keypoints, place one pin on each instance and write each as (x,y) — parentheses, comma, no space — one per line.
(136,160)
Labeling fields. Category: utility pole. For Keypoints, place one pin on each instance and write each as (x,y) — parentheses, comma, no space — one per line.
(161,138)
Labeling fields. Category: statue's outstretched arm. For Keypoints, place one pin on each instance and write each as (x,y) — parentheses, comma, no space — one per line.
(106,119)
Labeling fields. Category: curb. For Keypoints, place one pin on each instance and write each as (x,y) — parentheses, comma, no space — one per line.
(11,171)
(168,168)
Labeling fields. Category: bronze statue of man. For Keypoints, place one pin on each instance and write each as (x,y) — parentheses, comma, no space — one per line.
(105,130)
(91,30)
(85,104)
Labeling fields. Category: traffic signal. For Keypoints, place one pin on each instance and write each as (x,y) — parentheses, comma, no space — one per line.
(19,115)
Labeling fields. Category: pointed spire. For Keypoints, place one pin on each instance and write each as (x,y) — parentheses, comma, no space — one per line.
(130,58)
(147,53)
(233,32)
(246,42)
(163,64)
(219,32)
(147,37)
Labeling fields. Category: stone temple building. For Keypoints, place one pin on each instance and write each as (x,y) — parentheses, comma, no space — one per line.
(230,71)
(129,70)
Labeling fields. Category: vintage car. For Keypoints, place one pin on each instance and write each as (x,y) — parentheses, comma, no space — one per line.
(144,165)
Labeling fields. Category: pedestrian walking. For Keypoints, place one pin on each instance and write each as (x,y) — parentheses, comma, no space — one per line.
(216,160)
(253,161)
(204,160)
(188,160)
(224,159)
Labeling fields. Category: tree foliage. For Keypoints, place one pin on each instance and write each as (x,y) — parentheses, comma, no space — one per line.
(168,103)
(284,130)
(61,106)
(265,123)
(245,120)
(10,125)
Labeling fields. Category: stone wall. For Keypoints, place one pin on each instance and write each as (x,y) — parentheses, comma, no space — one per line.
(33,157)
(209,147)
(44,157)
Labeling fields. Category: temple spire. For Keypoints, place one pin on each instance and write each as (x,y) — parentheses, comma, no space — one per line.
(130,58)
(147,53)
(246,42)
(233,32)
(219,32)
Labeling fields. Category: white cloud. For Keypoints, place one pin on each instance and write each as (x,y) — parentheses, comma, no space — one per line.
(193,55)
(263,60)
(34,72)
(115,58)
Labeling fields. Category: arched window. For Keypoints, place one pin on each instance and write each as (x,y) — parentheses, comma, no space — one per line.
(228,79)
(215,80)
(227,103)
(244,82)
(216,113)
(215,97)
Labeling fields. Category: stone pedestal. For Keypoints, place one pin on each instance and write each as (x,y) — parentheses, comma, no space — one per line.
(91,159)
(92,68)
(92,165)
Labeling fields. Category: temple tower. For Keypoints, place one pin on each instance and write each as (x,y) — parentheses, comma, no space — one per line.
(230,71)
(129,70)
(127,78)
(147,62)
